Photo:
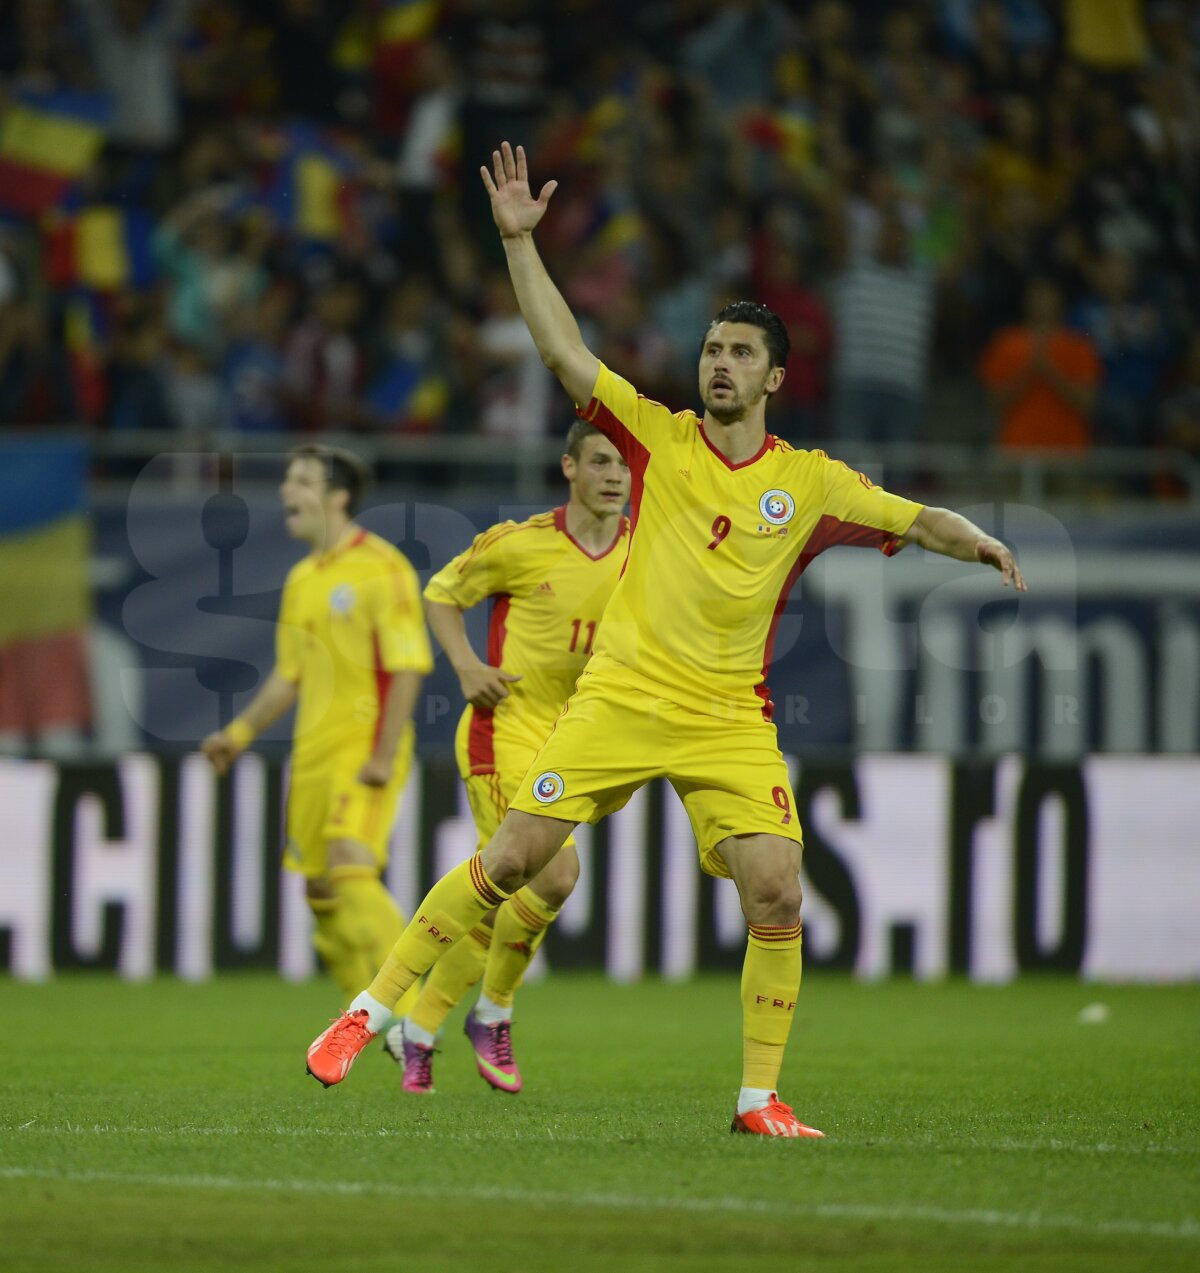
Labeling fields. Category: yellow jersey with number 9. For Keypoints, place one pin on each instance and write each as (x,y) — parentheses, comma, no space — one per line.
(716,549)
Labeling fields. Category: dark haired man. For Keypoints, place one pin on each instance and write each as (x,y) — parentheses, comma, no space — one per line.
(725,517)
(549,579)
(351,647)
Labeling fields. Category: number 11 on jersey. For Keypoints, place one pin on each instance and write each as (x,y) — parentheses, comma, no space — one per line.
(576,625)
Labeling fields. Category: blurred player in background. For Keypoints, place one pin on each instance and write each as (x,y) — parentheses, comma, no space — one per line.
(725,517)
(550,578)
(351,646)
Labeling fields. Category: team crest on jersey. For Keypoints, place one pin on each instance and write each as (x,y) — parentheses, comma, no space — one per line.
(548,787)
(341,599)
(777,507)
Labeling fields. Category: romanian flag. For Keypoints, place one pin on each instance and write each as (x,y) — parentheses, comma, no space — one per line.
(316,190)
(44,549)
(47,142)
(85,334)
(406,396)
(785,133)
(101,248)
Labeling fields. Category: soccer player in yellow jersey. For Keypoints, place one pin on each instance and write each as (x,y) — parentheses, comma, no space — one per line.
(549,579)
(725,518)
(352,648)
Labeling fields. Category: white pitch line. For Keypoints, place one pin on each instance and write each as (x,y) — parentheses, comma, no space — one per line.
(972,1145)
(1188,1230)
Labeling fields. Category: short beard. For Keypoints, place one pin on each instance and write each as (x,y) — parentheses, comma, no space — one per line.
(726,413)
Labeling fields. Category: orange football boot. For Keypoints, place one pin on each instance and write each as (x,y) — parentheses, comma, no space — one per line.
(333,1051)
(774,1119)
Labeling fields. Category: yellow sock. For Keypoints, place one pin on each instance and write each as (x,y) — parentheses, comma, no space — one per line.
(455,904)
(450,979)
(770,984)
(349,968)
(367,914)
(521,924)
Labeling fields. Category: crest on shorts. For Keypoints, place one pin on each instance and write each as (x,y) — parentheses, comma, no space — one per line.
(548,787)
(341,599)
(777,507)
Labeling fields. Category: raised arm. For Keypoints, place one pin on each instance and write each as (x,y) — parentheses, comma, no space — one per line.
(550,321)
(952,535)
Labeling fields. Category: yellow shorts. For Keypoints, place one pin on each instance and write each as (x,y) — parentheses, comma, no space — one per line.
(331,804)
(489,794)
(612,739)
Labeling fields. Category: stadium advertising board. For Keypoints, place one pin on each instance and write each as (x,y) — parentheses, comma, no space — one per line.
(914,865)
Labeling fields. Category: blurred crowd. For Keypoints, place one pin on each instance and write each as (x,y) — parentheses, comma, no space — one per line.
(257,216)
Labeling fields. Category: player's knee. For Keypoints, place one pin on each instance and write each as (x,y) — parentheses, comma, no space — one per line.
(558,878)
(508,865)
(772,898)
(521,849)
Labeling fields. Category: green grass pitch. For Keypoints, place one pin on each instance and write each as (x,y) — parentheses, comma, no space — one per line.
(172,1127)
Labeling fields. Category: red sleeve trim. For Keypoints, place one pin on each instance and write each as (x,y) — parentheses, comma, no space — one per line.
(826,533)
(481,733)
(635,453)
(383,682)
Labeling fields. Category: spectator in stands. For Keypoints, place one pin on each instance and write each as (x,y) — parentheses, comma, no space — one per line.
(1118,204)
(411,382)
(1129,331)
(1177,426)
(324,361)
(783,286)
(137,371)
(1018,158)
(1042,377)
(514,398)
(883,307)
(213,267)
(733,55)
(505,53)
(38,47)
(303,34)
(1005,157)
(252,370)
(134,46)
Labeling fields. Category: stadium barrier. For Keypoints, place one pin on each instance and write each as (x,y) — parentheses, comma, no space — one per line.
(915,865)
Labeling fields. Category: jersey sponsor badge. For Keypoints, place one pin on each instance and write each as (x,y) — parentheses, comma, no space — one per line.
(341,599)
(548,787)
(777,507)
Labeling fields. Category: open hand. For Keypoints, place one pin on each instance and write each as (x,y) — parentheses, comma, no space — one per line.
(514,209)
(993,553)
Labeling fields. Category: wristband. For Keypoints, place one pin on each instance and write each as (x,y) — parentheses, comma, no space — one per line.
(240,732)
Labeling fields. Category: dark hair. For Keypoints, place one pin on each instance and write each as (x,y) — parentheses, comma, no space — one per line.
(344,471)
(577,435)
(774,331)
